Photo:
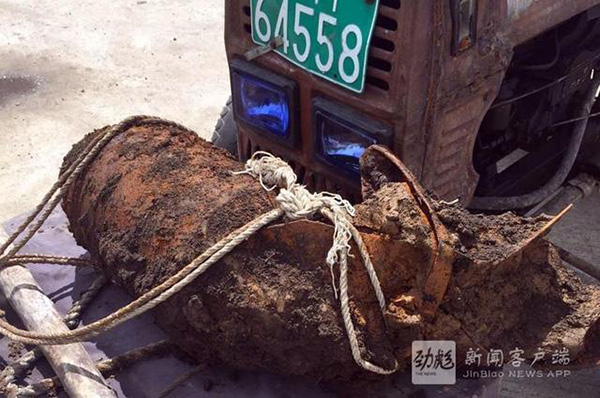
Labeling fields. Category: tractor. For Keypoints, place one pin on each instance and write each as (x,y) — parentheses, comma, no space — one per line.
(491,103)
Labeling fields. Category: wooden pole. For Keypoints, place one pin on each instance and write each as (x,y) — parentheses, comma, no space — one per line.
(72,364)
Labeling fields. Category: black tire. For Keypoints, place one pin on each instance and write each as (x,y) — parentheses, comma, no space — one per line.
(226,135)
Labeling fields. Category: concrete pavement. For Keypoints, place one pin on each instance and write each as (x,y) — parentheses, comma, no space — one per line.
(67,67)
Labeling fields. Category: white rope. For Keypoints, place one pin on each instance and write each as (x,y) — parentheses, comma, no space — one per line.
(150,299)
(297,203)
(107,367)
(22,364)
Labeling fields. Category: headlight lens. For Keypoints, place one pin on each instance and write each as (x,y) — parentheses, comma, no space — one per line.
(342,134)
(264,106)
(266,101)
(343,146)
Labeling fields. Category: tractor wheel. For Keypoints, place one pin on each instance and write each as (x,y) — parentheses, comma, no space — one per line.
(226,135)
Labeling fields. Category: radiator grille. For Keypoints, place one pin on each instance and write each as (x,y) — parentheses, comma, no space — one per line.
(246,18)
(381,54)
(383,47)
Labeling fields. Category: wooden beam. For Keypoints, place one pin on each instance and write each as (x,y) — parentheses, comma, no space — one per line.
(72,364)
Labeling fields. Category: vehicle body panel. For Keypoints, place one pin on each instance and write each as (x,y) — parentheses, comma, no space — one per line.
(434,101)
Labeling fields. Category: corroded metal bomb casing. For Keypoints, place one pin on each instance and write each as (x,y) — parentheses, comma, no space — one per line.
(157,196)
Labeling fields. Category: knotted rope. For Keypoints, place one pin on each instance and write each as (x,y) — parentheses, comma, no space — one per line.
(72,319)
(295,202)
(107,367)
(298,203)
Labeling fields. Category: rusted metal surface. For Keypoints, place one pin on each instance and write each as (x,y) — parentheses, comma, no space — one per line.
(528,18)
(544,231)
(435,115)
(422,108)
(379,160)
(157,197)
(385,100)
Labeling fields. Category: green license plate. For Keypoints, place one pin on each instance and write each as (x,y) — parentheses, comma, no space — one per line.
(329,38)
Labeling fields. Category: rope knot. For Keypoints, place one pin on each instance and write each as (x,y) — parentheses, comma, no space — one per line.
(296,202)
(271,171)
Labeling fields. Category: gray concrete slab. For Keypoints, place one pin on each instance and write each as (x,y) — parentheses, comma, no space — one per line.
(579,231)
(67,67)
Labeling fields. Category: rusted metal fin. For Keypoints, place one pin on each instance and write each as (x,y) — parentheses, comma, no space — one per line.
(378,167)
(541,232)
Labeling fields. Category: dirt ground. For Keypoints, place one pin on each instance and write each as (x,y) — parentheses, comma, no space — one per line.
(71,66)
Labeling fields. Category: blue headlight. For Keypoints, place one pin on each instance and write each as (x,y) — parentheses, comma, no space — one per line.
(343,146)
(264,106)
(266,102)
(342,134)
